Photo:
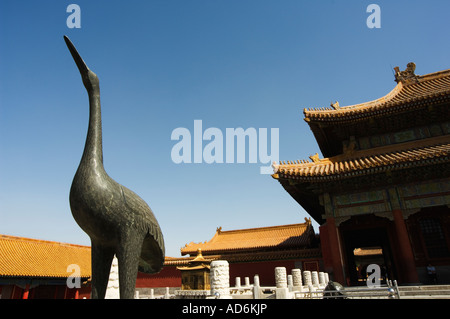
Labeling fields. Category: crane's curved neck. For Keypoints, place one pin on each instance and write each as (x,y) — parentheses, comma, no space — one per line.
(93,153)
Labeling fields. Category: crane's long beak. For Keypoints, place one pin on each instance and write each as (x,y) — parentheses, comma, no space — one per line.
(76,56)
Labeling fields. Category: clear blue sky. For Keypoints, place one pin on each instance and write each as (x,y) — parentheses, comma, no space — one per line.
(164,64)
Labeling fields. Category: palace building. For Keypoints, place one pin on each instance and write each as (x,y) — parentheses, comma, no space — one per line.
(36,269)
(380,193)
(259,250)
(383,183)
(40,269)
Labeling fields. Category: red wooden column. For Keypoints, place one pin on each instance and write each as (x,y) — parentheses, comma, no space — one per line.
(406,257)
(333,238)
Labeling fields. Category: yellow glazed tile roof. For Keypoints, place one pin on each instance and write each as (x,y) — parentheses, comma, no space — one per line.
(367,251)
(392,157)
(405,95)
(25,257)
(274,237)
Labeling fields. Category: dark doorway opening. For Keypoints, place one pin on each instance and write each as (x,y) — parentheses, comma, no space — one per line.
(364,247)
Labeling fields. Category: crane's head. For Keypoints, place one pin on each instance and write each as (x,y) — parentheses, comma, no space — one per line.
(90,79)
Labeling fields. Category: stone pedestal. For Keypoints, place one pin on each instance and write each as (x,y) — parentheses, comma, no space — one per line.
(315,278)
(167,294)
(297,279)
(307,280)
(256,291)
(322,279)
(256,281)
(112,291)
(280,277)
(238,282)
(282,291)
(220,279)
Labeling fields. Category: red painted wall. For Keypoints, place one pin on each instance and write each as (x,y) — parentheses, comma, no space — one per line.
(169,276)
(45,292)
(265,270)
(326,249)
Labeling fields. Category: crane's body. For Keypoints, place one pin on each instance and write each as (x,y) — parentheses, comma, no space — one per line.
(117,220)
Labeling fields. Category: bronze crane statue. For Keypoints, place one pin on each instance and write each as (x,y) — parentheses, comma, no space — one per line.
(117,220)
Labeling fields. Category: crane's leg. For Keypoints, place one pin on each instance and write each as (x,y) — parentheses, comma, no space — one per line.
(128,254)
(101,257)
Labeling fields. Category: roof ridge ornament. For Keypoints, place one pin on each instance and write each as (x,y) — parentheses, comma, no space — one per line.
(335,105)
(408,76)
(315,158)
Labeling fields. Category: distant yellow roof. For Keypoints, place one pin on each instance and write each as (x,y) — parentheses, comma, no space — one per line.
(274,237)
(367,251)
(25,257)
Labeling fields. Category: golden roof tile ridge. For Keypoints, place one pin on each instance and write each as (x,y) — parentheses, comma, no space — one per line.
(39,241)
(364,159)
(263,228)
(41,258)
(426,86)
(273,236)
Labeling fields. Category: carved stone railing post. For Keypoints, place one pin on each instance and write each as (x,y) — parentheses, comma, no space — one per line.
(112,290)
(297,279)
(315,278)
(256,288)
(220,279)
(282,291)
(307,278)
